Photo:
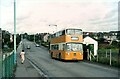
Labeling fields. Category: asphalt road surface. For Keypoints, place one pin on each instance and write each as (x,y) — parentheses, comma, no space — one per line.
(55,68)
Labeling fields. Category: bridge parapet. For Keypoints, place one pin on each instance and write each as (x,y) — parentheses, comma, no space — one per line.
(8,65)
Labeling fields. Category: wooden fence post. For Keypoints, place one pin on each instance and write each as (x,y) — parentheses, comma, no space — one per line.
(106,53)
(97,56)
(90,55)
(110,57)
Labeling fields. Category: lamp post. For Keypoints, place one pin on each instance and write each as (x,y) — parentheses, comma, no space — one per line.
(53,25)
(15,32)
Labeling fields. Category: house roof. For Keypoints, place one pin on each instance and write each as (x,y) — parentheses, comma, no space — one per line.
(89,40)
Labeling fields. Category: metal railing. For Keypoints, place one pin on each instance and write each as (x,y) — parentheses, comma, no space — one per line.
(8,65)
(0,65)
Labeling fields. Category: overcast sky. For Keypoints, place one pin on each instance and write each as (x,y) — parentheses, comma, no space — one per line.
(35,16)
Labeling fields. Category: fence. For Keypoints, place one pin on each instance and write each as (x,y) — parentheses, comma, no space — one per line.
(109,57)
(8,65)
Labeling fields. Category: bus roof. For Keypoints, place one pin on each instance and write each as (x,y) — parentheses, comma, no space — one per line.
(74,28)
(66,29)
(69,28)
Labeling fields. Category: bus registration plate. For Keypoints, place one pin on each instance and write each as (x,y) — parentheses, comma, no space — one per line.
(74,54)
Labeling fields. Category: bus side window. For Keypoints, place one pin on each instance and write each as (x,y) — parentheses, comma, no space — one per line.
(63,46)
(69,48)
(52,47)
(60,47)
(60,33)
(57,47)
(63,32)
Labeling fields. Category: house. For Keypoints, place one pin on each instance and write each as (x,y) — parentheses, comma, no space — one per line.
(11,38)
(94,35)
(113,35)
(109,36)
(45,37)
(88,40)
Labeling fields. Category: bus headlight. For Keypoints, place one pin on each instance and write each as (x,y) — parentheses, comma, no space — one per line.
(80,53)
(68,53)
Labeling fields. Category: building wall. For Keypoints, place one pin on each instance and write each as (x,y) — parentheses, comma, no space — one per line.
(45,38)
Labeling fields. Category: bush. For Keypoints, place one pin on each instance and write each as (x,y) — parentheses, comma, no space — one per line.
(103,60)
(94,59)
(115,63)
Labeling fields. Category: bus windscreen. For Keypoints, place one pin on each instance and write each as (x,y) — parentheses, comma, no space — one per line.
(73,31)
(74,47)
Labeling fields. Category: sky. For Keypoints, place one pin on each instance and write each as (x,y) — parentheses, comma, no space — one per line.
(35,16)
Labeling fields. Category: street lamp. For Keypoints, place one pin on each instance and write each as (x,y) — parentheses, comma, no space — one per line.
(53,25)
(15,32)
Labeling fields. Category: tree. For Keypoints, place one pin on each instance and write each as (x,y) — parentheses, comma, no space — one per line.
(5,38)
(31,38)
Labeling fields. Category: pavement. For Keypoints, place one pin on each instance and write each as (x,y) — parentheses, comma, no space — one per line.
(0,65)
(26,69)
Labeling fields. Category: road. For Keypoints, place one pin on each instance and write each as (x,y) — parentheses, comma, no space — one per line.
(55,68)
